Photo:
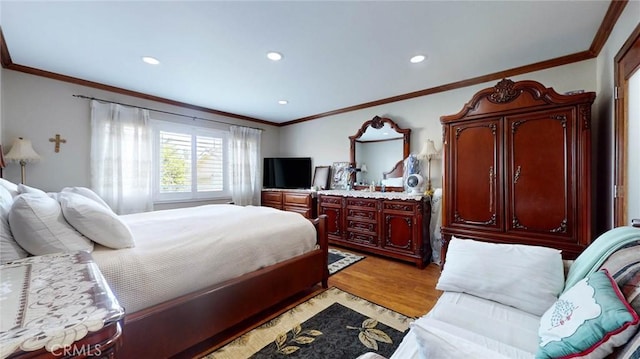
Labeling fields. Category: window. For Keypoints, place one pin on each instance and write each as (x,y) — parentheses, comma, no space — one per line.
(190,162)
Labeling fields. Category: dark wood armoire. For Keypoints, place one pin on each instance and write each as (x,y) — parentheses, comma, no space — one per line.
(517,168)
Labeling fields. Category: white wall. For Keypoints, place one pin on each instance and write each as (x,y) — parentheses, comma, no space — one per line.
(604,111)
(326,140)
(38,108)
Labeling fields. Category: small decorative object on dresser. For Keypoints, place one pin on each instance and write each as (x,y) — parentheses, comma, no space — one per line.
(58,305)
(321,176)
(340,175)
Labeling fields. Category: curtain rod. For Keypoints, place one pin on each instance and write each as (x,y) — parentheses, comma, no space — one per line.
(162,111)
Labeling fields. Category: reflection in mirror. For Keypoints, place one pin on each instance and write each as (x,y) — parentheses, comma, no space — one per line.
(377,148)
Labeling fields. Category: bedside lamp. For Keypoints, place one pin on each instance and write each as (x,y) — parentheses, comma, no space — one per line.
(22,152)
(429,152)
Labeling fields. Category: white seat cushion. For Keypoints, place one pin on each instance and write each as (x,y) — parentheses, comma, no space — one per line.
(491,319)
(436,339)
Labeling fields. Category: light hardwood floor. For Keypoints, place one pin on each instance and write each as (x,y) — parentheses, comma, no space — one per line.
(396,285)
(399,286)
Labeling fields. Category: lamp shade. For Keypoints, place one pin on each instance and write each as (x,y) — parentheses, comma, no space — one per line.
(21,150)
(428,150)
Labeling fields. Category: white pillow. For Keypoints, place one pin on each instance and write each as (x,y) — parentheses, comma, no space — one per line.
(87,192)
(38,226)
(95,221)
(526,277)
(23,188)
(10,250)
(9,186)
(6,200)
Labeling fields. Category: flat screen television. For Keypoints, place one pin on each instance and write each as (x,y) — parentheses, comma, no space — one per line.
(287,172)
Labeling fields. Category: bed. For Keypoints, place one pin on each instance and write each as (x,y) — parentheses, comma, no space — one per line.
(225,288)
(193,272)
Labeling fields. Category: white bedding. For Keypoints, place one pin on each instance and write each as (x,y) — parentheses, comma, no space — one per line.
(489,325)
(179,251)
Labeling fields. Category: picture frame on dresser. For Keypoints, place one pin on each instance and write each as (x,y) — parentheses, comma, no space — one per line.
(321,177)
(340,175)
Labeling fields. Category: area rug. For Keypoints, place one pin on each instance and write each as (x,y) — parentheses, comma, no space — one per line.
(333,324)
(339,260)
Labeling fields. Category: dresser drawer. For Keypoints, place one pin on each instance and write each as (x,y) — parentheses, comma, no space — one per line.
(362,202)
(300,199)
(400,206)
(371,227)
(357,213)
(304,211)
(272,197)
(368,239)
(330,201)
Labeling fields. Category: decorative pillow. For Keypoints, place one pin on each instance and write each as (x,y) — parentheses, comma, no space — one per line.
(9,248)
(629,350)
(624,267)
(87,192)
(9,186)
(39,227)
(529,278)
(95,221)
(589,320)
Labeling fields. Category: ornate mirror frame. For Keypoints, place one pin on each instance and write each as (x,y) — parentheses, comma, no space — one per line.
(377,123)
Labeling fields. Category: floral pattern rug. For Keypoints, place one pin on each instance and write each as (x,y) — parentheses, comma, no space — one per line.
(339,260)
(333,324)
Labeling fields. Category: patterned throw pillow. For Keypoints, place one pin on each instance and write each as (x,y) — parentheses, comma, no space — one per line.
(624,266)
(588,321)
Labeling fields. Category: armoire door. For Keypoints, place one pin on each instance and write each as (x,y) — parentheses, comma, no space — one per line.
(476,175)
(538,171)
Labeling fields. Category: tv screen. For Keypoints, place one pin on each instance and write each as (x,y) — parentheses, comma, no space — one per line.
(287,172)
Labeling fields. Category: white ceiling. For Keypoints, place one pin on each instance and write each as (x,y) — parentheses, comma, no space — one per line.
(336,53)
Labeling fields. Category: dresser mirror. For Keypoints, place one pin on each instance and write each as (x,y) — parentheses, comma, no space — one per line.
(377,152)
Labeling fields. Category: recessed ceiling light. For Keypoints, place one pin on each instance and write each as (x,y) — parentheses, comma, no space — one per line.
(283,102)
(150,60)
(418,58)
(274,56)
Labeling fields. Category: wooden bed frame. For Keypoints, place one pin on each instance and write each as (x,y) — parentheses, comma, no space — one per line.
(169,328)
(396,171)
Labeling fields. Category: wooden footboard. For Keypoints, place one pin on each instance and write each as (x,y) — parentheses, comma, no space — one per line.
(174,326)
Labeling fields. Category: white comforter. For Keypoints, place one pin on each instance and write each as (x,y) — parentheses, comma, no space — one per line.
(180,251)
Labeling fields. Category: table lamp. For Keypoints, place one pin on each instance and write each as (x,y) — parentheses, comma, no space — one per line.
(429,152)
(22,152)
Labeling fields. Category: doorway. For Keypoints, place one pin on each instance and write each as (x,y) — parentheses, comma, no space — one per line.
(627,132)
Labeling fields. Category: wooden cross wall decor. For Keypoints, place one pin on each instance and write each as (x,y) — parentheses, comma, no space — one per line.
(58,140)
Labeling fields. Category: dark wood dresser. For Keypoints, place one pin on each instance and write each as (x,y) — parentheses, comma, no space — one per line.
(390,224)
(301,201)
(58,306)
(517,168)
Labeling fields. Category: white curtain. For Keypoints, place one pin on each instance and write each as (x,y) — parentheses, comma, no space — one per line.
(121,157)
(246,169)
